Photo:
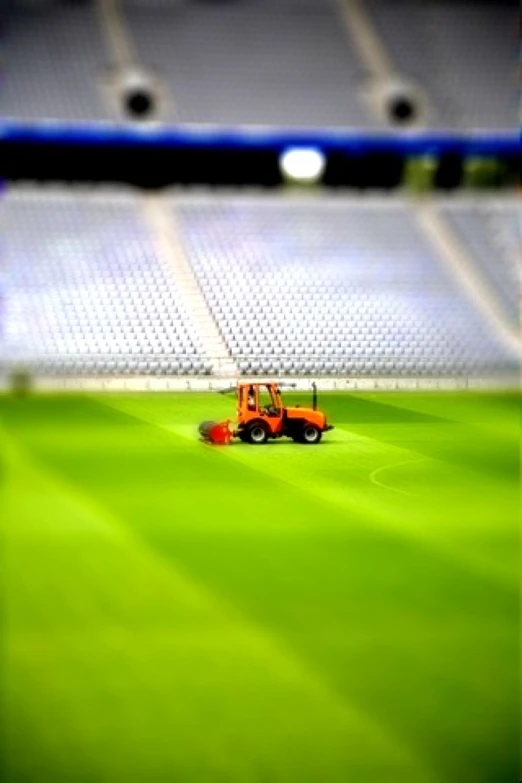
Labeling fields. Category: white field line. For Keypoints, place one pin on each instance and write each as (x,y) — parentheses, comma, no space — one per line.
(242,453)
(378,471)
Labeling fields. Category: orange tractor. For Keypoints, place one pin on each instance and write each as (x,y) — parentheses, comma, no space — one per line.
(261,415)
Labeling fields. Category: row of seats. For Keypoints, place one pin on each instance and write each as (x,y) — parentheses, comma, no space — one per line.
(388,367)
(113,366)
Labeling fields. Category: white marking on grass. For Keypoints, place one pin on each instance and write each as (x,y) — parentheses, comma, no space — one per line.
(378,471)
(252,457)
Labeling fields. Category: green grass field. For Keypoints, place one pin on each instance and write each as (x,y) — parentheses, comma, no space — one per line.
(176,611)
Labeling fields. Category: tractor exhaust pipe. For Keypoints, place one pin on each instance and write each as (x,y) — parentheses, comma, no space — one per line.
(314,396)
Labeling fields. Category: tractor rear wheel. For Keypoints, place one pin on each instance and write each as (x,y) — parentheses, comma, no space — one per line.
(310,434)
(257,433)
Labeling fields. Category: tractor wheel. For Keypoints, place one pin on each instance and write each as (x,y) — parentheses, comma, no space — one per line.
(243,436)
(310,434)
(257,433)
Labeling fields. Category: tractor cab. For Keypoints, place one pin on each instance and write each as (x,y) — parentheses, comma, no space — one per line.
(261,415)
(259,399)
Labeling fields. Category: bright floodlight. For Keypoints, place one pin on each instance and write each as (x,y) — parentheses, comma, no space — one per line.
(302,164)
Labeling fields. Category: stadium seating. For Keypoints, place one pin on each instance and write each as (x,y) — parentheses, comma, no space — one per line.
(85,291)
(52,62)
(332,285)
(463,54)
(490,230)
(278,62)
(296,285)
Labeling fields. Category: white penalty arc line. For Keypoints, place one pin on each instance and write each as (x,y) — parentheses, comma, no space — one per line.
(375,473)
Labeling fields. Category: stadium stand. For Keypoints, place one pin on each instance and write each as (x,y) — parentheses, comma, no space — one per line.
(277,63)
(52,61)
(333,285)
(86,293)
(490,230)
(463,54)
(327,284)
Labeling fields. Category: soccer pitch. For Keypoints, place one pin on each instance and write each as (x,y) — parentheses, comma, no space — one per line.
(176,611)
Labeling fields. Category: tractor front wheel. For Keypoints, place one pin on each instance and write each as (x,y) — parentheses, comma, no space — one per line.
(310,434)
(257,433)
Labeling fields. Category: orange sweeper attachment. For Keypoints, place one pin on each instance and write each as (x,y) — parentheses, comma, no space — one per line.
(261,415)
